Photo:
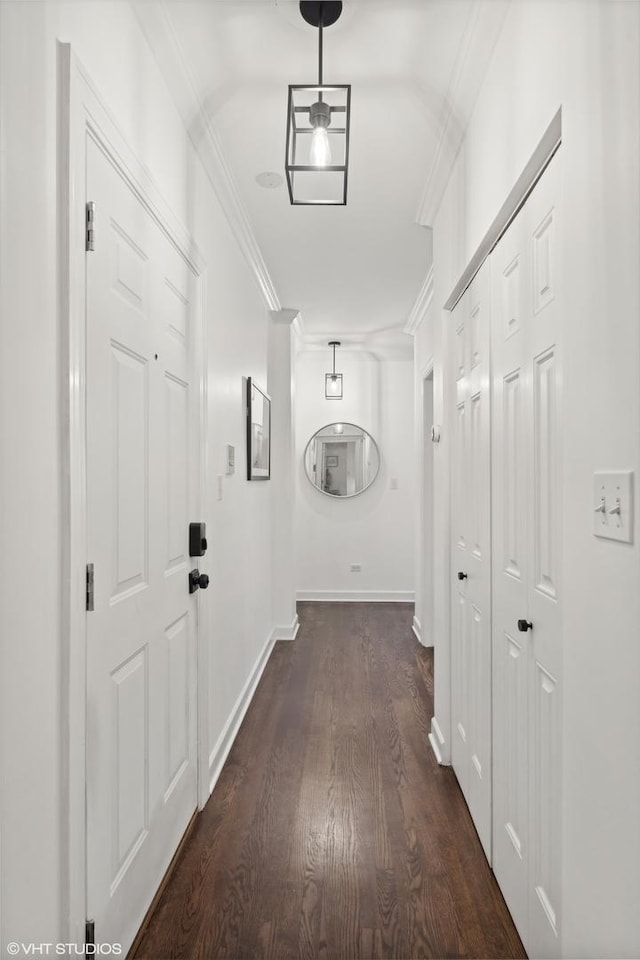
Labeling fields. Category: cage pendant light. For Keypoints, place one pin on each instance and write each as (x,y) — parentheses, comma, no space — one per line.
(318,121)
(333,381)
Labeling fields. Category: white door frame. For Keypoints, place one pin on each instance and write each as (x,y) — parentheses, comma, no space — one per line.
(423,627)
(81,109)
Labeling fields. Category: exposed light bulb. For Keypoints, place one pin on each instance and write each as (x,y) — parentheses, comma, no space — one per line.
(333,384)
(338,428)
(320,152)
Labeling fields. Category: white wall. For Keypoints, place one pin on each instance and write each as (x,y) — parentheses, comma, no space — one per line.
(107,40)
(376,528)
(582,56)
(239,600)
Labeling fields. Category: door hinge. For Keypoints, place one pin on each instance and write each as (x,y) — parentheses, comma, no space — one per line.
(90,583)
(90,933)
(90,238)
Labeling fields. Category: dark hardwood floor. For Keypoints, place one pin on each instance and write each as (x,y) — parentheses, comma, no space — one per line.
(332,831)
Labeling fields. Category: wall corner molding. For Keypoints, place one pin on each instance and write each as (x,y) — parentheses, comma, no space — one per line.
(160,35)
(287,632)
(421,305)
(416,626)
(285,315)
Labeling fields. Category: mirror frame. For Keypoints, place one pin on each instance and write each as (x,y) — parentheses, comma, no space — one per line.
(347,496)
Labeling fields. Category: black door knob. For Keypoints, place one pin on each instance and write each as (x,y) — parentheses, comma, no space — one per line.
(198,580)
(524,625)
(461,575)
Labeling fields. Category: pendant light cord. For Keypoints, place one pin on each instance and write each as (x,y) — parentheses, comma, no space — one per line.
(320,47)
(320,22)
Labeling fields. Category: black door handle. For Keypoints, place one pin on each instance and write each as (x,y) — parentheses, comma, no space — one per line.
(197,579)
(461,575)
(524,625)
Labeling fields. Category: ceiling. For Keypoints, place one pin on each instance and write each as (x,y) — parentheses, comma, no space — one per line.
(415,66)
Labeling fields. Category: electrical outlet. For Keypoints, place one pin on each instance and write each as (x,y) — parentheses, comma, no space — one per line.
(356,567)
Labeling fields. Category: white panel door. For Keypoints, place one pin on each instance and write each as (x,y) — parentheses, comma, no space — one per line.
(527,598)
(511,535)
(141,638)
(545,597)
(471,553)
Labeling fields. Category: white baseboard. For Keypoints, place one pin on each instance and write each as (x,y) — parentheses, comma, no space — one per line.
(437,741)
(286,633)
(357,596)
(224,742)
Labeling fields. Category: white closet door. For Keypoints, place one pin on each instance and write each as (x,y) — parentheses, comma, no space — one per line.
(471,553)
(545,596)
(511,479)
(526,591)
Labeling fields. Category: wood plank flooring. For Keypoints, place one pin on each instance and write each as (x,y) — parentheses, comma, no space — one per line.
(332,832)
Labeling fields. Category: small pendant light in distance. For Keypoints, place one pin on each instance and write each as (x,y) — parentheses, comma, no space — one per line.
(333,381)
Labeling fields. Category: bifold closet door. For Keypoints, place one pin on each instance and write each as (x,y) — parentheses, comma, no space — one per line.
(471,555)
(526,592)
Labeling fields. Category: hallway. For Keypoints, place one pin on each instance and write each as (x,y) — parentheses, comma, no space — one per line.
(332,831)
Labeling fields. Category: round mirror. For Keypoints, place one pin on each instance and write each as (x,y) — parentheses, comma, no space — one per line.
(341,460)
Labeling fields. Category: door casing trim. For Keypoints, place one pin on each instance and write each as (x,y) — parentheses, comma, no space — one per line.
(82,110)
(535,167)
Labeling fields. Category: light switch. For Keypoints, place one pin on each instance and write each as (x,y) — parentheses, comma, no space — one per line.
(394,483)
(220,487)
(231,460)
(613,505)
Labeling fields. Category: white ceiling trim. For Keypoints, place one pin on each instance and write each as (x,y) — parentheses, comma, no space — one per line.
(160,34)
(480,32)
(421,305)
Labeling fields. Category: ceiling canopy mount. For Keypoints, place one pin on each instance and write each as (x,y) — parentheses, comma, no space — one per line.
(317,12)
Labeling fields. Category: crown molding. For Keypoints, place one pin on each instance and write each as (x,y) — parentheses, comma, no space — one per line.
(485,22)
(160,35)
(376,345)
(421,305)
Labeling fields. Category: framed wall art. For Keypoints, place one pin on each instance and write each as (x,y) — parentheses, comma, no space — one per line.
(258,433)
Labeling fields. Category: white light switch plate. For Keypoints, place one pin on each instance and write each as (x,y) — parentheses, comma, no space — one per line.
(614,491)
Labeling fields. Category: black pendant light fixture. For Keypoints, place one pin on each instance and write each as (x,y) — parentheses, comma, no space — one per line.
(333,381)
(318,120)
